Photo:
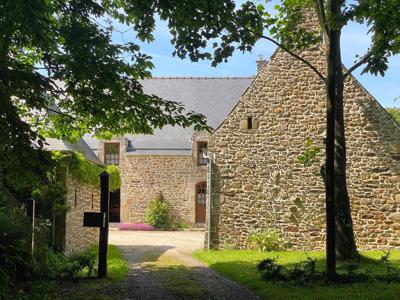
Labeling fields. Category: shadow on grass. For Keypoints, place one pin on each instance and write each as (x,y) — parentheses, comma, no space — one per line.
(374,280)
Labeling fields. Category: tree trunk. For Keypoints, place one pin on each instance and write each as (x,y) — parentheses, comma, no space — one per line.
(330,148)
(345,246)
(345,242)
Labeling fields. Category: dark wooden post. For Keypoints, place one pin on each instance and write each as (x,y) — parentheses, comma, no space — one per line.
(104,210)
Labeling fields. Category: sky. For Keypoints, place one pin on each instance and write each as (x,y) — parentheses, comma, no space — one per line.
(355,40)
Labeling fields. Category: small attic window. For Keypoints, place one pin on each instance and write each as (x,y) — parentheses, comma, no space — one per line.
(249,122)
(111,153)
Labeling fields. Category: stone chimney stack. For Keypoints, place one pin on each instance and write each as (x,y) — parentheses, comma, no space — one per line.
(310,20)
(260,62)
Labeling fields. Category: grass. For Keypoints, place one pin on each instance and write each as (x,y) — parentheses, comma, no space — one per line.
(86,288)
(240,266)
(117,265)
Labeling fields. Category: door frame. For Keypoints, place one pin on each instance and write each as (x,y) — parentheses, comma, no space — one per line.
(196,218)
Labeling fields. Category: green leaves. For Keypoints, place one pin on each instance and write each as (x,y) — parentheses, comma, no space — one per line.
(157,213)
(310,154)
(383,20)
(62,75)
(395,113)
(85,171)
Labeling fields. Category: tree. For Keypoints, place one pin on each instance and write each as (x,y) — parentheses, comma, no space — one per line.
(395,113)
(61,75)
(232,28)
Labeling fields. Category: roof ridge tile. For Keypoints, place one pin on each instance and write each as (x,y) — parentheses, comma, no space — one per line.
(201,77)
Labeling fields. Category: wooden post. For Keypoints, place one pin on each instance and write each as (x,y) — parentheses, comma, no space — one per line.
(104,210)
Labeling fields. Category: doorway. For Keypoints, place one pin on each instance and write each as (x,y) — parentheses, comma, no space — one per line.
(201,196)
(115,206)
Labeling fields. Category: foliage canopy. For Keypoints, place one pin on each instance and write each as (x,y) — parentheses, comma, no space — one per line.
(395,113)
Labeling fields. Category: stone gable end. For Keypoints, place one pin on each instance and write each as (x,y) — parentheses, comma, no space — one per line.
(258,181)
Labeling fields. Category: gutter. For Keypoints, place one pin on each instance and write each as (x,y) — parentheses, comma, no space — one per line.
(210,158)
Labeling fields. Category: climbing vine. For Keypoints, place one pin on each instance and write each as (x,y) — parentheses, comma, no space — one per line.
(85,171)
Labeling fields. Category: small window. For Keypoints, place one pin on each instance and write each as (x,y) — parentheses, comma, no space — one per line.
(202,153)
(111,154)
(76,198)
(249,123)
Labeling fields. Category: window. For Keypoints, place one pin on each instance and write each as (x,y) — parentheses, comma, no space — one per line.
(111,154)
(201,193)
(76,198)
(202,153)
(249,123)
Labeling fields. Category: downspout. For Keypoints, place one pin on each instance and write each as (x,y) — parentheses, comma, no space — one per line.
(210,157)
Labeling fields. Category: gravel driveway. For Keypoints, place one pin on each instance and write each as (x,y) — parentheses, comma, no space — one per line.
(161,267)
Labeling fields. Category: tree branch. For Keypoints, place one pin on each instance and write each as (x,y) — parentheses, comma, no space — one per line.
(61,113)
(291,53)
(358,64)
(319,5)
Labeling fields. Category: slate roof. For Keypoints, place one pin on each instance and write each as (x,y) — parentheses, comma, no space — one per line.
(80,146)
(212,96)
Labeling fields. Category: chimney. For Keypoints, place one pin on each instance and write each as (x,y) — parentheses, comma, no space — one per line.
(310,20)
(260,62)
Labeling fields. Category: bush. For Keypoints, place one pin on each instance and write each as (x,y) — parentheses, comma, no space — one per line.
(71,267)
(302,273)
(15,246)
(178,225)
(267,240)
(157,213)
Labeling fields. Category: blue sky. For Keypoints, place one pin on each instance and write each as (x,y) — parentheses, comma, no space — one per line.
(355,40)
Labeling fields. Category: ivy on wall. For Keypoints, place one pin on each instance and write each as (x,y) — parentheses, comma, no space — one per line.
(85,171)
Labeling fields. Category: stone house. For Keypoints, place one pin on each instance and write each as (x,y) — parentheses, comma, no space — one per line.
(258,181)
(171,160)
(80,197)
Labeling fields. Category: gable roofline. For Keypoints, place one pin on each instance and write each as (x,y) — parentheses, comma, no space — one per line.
(266,64)
(247,89)
(200,77)
(53,144)
(364,89)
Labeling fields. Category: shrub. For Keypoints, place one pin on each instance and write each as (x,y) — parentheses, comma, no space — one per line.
(71,267)
(136,226)
(157,213)
(178,225)
(15,246)
(267,240)
(302,273)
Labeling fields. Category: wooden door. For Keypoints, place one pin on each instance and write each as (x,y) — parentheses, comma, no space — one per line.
(201,192)
(115,206)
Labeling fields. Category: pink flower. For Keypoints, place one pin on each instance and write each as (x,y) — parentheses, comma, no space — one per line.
(135,226)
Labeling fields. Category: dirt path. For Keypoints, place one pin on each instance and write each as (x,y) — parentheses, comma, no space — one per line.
(161,267)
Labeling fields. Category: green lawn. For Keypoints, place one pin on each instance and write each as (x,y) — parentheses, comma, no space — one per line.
(117,265)
(240,266)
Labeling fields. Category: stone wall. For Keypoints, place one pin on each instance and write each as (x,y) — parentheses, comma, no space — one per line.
(80,198)
(144,176)
(258,181)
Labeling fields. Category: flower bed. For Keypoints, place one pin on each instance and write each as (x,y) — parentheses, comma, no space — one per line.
(135,226)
